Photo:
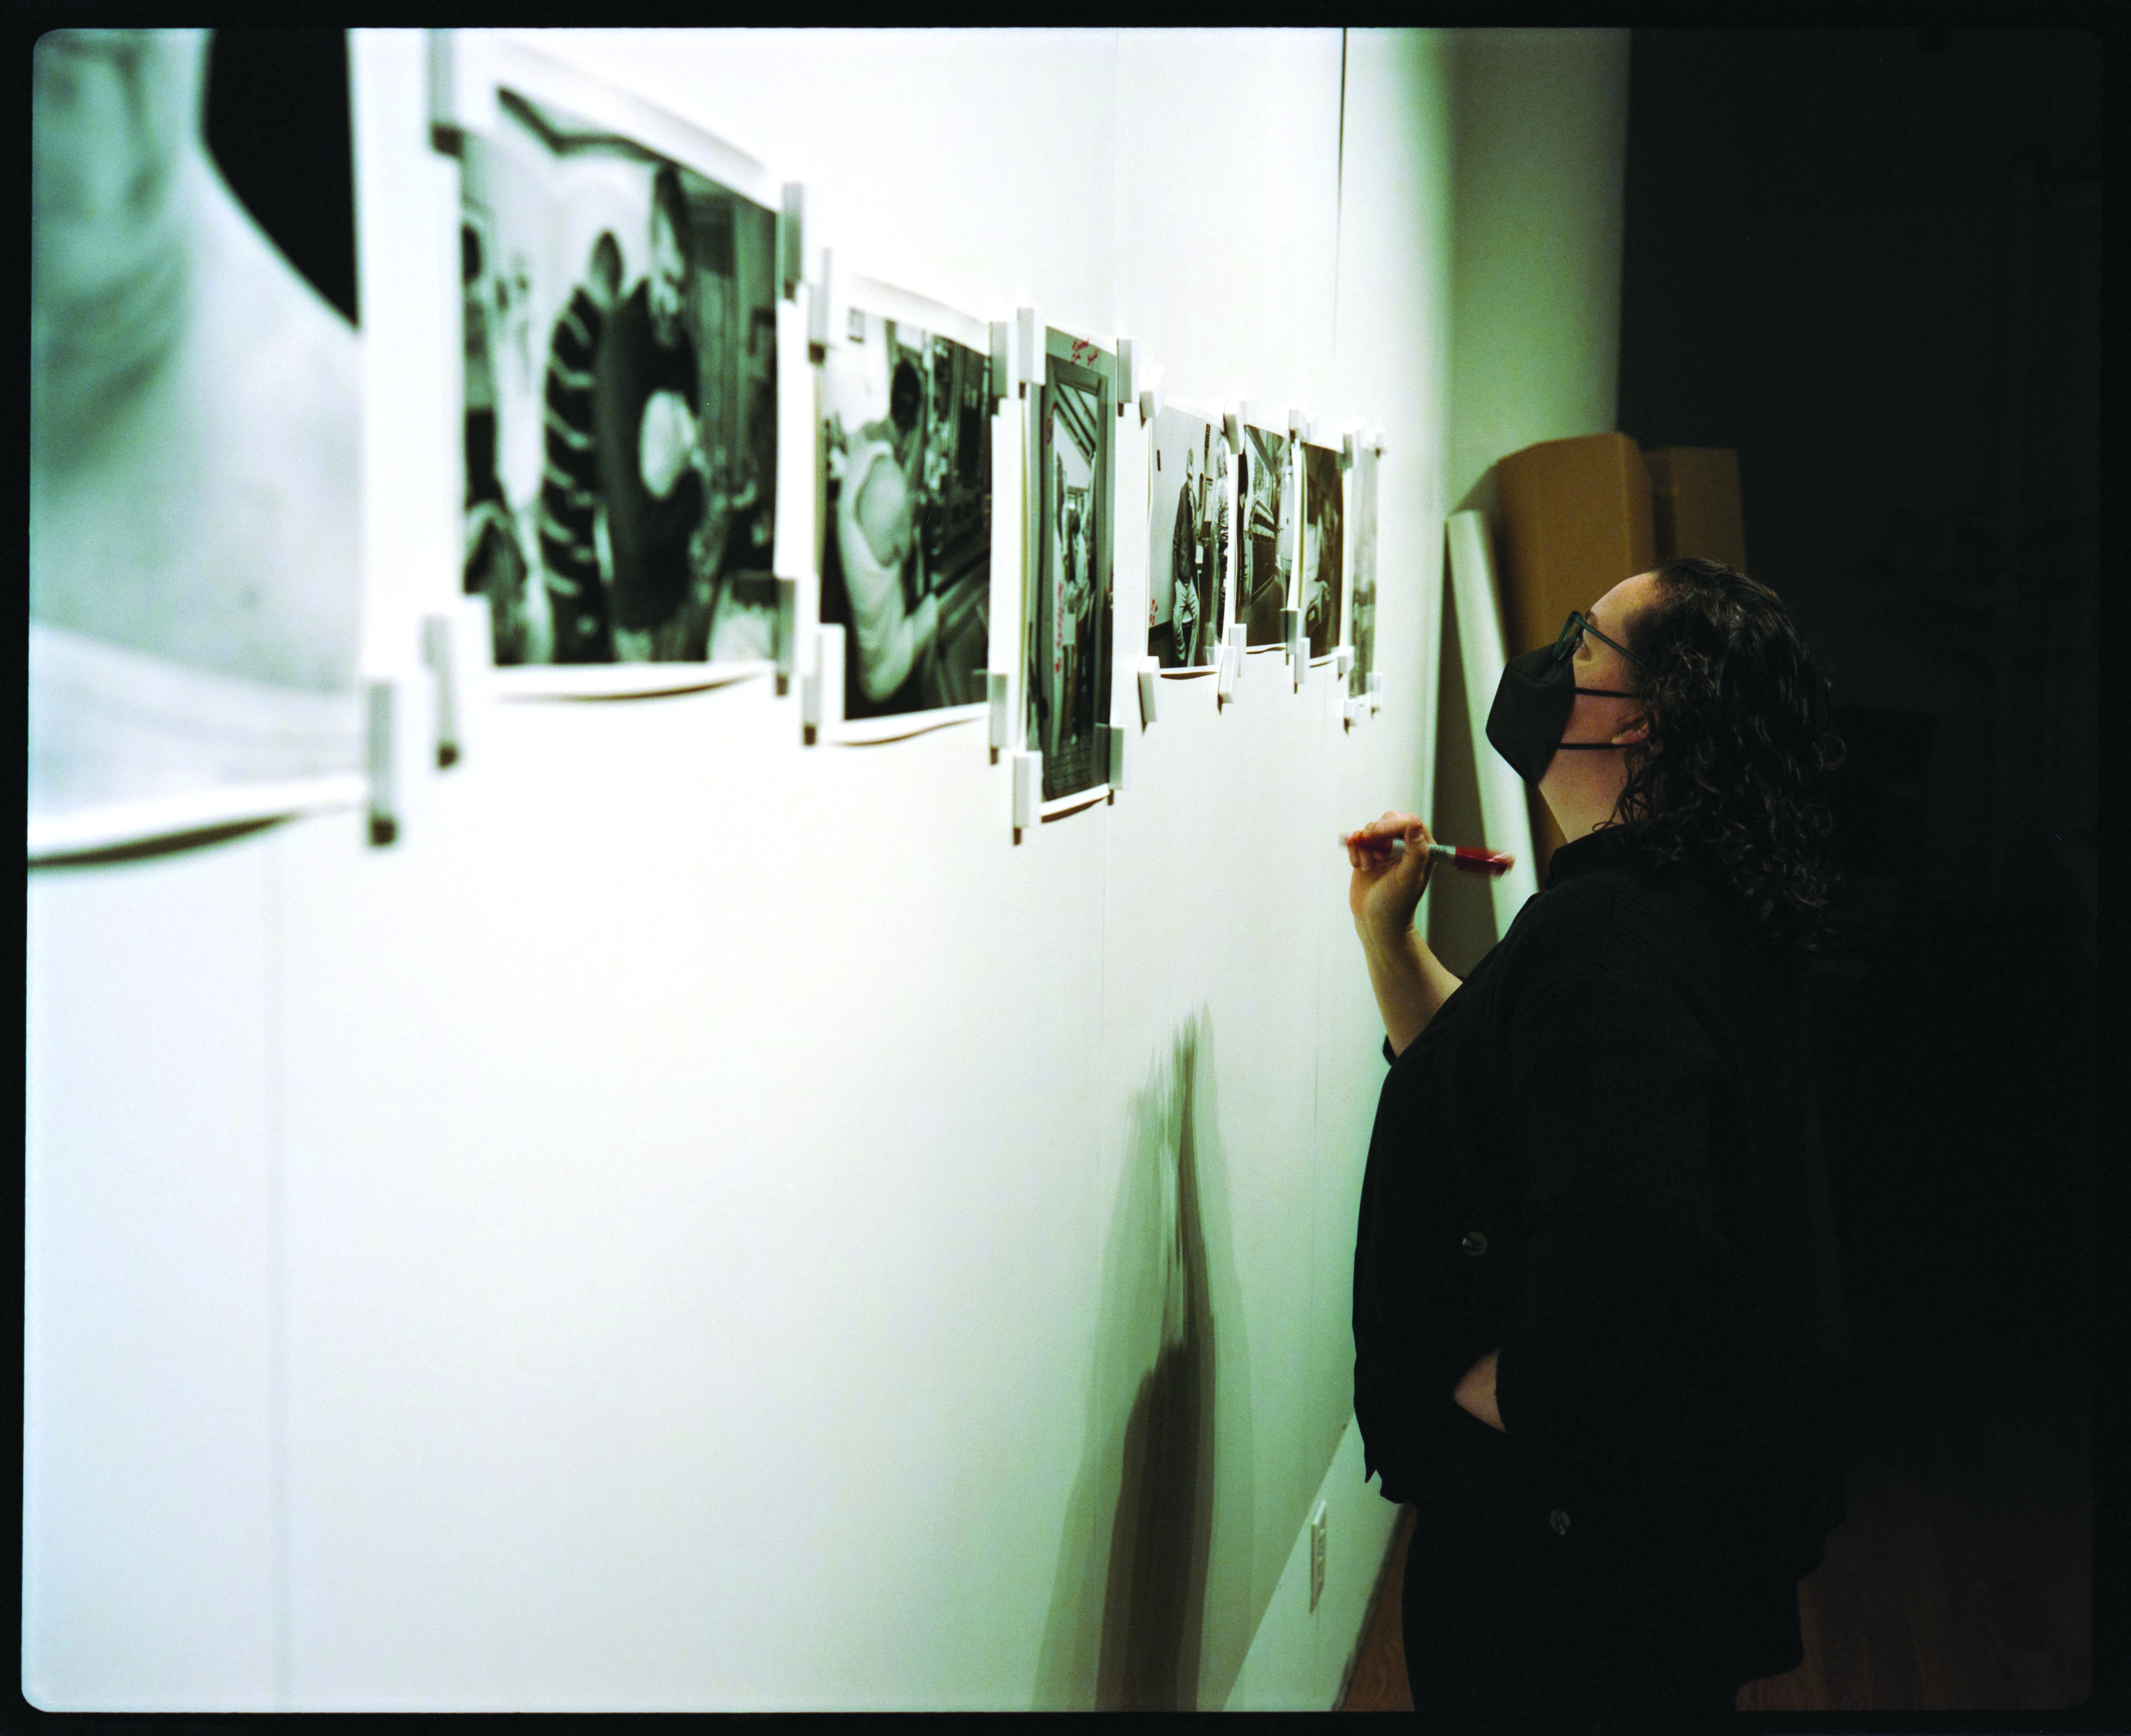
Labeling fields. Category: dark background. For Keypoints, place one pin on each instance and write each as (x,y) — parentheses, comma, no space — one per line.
(1870,260)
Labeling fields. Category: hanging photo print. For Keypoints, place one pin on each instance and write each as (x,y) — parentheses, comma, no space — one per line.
(1322,583)
(906,546)
(1069,623)
(195,594)
(1266,501)
(1362,613)
(621,436)
(1188,540)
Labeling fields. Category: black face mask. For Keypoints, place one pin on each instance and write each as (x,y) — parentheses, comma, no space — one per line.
(1532,702)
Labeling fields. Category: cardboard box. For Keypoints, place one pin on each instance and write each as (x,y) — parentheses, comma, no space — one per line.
(1575,521)
(1694,503)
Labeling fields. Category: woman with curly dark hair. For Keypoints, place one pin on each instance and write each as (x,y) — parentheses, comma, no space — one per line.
(1585,1323)
(1746,708)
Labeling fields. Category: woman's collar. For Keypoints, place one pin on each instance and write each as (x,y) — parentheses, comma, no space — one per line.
(1594,850)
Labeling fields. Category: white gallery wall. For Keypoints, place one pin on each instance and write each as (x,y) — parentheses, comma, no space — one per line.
(1540,130)
(704,1221)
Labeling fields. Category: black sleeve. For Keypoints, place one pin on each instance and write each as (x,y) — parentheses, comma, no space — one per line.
(1390,1054)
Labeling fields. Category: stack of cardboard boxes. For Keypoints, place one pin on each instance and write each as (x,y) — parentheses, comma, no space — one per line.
(1578,516)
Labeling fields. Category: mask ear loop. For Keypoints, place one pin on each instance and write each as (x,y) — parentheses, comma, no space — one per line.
(1599,693)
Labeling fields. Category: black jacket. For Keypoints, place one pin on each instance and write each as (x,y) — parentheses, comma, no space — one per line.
(1593,1159)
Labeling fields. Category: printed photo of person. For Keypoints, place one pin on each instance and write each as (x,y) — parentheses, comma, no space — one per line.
(621,399)
(906,559)
(1266,586)
(194,415)
(1322,548)
(1187,529)
(1362,629)
(1214,530)
(1069,665)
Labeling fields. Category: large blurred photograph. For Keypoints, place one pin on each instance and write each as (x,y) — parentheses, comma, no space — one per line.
(906,557)
(620,331)
(194,415)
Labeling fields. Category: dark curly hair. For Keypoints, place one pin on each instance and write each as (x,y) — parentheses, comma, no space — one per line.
(1734,772)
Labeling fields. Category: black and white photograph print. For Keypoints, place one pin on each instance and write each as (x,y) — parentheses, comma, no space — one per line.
(1188,533)
(1070,624)
(1324,547)
(1362,612)
(195,425)
(906,556)
(1266,500)
(620,335)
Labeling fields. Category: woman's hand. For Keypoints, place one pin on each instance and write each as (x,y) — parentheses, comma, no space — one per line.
(1386,888)
(1475,1393)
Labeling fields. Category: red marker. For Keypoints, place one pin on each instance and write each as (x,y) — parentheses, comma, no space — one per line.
(1470,861)
(1464,857)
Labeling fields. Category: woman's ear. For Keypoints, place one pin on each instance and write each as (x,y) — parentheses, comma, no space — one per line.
(1638,730)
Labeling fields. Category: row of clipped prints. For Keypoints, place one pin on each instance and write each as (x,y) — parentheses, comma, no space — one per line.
(697,451)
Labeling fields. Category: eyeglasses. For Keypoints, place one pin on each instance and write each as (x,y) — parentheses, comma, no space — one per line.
(1572,634)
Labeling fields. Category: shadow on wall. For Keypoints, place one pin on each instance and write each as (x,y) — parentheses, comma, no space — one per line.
(1152,1598)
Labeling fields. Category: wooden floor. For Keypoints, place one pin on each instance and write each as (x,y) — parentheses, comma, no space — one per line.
(1378,1683)
(1962,1578)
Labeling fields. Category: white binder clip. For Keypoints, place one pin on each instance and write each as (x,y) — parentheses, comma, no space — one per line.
(1002,374)
(1027,790)
(790,240)
(436,650)
(1152,395)
(788,633)
(395,745)
(1232,662)
(818,316)
(995,683)
(821,694)
(1028,361)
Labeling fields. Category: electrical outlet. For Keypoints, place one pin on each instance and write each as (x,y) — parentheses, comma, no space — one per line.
(1316,1555)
